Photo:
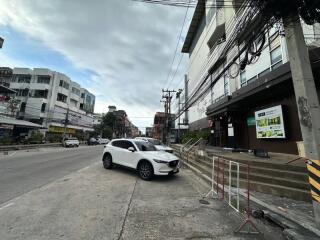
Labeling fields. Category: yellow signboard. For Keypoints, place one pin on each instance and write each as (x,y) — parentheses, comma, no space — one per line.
(57,129)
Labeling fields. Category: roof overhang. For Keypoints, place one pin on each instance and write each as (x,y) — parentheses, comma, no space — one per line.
(4,89)
(196,19)
(18,123)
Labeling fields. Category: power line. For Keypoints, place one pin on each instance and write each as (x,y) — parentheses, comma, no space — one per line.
(177,45)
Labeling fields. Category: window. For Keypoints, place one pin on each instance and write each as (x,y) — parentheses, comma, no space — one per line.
(23,78)
(123,144)
(61,97)
(76,91)
(275,50)
(43,79)
(40,94)
(276,56)
(226,86)
(82,95)
(23,107)
(22,92)
(64,84)
(43,107)
(243,79)
(144,146)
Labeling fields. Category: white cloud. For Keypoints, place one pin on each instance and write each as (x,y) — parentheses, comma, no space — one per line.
(128,45)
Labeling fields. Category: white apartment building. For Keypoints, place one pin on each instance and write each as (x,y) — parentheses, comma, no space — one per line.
(49,97)
(222,96)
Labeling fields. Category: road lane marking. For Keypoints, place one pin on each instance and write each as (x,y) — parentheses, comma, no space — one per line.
(83,169)
(7,205)
(12,153)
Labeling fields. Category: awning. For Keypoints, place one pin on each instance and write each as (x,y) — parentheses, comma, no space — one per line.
(18,123)
(4,89)
(73,127)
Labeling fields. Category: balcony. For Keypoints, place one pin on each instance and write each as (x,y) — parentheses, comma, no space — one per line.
(40,86)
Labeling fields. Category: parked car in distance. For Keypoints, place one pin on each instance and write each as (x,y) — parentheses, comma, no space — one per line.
(157,143)
(103,140)
(92,141)
(70,142)
(140,155)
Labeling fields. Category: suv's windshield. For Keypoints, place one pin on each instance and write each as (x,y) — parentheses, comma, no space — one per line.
(155,141)
(145,146)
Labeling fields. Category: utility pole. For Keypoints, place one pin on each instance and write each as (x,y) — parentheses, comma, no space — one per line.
(165,116)
(66,123)
(186,99)
(167,98)
(179,103)
(307,103)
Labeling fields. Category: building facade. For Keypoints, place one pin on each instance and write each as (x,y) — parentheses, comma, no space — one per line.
(244,95)
(149,132)
(52,99)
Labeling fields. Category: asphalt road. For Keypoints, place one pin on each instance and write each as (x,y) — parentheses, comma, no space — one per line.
(66,194)
(23,171)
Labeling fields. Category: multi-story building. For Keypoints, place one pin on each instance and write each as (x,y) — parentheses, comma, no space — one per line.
(97,118)
(9,104)
(49,98)
(5,76)
(239,77)
(160,127)
(149,132)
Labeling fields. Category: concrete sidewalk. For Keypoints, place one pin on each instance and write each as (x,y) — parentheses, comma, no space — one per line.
(94,203)
(275,158)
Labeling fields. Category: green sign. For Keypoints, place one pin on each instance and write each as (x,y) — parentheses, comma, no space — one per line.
(251,121)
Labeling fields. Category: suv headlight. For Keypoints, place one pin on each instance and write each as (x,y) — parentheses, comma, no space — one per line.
(160,161)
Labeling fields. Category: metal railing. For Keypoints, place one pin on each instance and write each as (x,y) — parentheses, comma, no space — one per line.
(224,173)
(185,145)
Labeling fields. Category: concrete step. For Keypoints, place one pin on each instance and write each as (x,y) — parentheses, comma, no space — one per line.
(268,188)
(266,164)
(288,175)
(260,164)
(263,163)
(255,177)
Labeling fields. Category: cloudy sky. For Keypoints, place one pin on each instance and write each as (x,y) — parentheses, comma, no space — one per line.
(118,49)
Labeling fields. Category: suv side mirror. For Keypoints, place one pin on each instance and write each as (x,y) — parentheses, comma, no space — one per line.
(131,149)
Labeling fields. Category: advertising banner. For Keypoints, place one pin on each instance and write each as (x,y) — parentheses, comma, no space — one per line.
(269,123)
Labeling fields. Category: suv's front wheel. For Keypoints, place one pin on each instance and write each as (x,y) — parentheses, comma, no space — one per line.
(145,170)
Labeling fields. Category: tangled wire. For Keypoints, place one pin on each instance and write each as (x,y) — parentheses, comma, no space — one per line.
(308,10)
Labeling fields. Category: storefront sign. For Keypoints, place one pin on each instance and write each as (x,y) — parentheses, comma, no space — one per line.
(57,129)
(269,123)
(251,121)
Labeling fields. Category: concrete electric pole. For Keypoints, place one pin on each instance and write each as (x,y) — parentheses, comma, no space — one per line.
(179,103)
(308,105)
(66,120)
(167,98)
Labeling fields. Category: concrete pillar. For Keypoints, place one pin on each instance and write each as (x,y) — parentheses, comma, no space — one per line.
(307,103)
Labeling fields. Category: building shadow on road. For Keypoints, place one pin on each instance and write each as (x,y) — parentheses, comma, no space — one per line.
(134,173)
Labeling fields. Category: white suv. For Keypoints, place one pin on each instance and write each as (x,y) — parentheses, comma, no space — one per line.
(140,155)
